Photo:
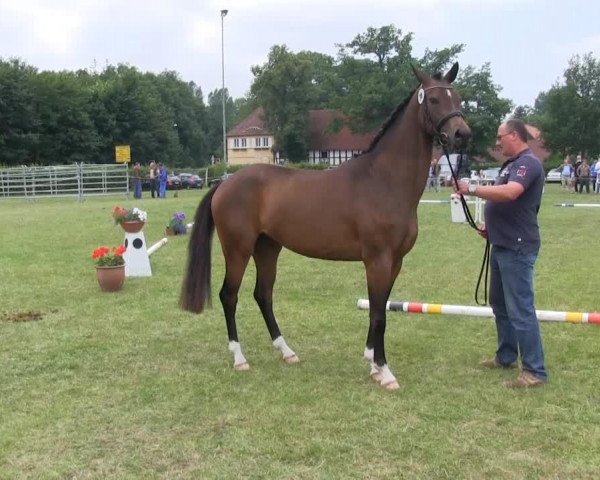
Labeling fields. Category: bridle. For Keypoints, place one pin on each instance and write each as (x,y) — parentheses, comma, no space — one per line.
(437,128)
(442,138)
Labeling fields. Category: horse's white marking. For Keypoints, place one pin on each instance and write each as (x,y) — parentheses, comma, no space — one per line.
(239,361)
(384,376)
(448,93)
(369,353)
(421,96)
(286,352)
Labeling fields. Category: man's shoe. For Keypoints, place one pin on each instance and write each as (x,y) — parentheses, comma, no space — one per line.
(525,380)
(494,363)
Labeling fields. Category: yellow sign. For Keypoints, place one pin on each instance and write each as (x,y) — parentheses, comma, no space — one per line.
(122,153)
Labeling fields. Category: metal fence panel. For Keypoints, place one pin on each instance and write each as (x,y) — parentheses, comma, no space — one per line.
(80,180)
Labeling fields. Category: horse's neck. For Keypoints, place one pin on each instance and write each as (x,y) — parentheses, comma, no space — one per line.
(404,152)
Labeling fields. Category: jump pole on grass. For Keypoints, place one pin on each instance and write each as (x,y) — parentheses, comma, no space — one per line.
(157,245)
(572,205)
(472,311)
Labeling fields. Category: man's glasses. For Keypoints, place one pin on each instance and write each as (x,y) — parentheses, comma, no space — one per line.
(499,137)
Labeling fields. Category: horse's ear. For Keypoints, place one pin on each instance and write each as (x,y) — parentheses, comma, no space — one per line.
(451,75)
(421,76)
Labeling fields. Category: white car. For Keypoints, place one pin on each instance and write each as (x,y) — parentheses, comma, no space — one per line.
(553,176)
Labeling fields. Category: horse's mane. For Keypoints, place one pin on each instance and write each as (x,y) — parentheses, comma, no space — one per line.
(396,115)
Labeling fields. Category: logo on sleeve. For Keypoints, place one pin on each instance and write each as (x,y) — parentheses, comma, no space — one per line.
(521,171)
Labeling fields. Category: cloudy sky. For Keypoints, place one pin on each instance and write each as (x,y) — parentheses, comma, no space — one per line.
(527,42)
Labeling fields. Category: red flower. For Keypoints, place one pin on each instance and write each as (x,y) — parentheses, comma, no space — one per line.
(120,250)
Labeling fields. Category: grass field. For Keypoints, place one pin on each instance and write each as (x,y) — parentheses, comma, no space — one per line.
(127,386)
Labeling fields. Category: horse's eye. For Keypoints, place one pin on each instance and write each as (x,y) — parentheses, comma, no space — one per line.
(434,100)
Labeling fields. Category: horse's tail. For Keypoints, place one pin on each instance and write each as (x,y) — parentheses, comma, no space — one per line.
(195,291)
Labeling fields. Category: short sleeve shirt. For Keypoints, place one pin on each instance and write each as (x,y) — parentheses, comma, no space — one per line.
(514,224)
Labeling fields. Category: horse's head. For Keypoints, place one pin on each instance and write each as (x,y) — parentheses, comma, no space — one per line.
(440,110)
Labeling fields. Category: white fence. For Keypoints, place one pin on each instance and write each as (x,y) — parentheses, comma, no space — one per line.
(78,180)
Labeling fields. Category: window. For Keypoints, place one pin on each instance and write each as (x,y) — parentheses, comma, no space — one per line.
(243,143)
(236,143)
(262,142)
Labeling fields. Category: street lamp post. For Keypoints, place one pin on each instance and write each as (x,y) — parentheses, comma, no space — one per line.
(223,14)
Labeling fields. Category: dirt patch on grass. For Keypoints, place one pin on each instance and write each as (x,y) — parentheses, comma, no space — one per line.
(21,316)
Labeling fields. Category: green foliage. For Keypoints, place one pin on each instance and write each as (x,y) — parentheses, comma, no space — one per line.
(368,80)
(65,117)
(569,113)
(483,108)
(284,88)
(19,119)
(125,385)
(214,114)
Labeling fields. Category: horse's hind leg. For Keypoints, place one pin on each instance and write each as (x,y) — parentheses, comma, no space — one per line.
(235,265)
(266,253)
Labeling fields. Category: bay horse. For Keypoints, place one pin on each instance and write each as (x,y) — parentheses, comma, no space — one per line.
(364,210)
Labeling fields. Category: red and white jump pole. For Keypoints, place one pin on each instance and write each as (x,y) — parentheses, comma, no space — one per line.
(472,311)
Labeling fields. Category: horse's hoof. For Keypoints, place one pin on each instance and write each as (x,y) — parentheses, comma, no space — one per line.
(291,359)
(391,386)
(242,367)
(377,376)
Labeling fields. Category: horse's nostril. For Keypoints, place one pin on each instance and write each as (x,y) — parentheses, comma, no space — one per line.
(462,134)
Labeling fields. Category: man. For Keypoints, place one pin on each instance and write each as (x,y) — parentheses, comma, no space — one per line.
(512,229)
(153,179)
(137,180)
(565,174)
(583,173)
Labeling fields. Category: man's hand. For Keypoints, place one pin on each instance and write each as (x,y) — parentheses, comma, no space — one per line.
(481,230)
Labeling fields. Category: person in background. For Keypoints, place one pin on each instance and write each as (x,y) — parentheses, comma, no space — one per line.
(137,180)
(435,171)
(153,179)
(512,230)
(163,180)
(597,186)
(583,175)
(565,173)
(575,174)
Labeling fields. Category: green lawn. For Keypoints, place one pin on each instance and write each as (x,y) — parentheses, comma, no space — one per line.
(127,386)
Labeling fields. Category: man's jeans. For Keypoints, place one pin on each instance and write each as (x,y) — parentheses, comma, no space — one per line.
(511,298)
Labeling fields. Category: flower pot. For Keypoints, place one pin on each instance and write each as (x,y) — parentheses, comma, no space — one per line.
(169,231)
(132,226)
(111,279)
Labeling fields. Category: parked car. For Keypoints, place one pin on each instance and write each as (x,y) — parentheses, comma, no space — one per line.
(217,180)
(173,182)
(189,180)
(553,175)
(489,174)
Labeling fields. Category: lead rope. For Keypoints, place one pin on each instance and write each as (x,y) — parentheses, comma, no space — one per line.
(485,264)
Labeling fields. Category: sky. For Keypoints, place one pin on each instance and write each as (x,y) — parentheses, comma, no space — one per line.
(528,43)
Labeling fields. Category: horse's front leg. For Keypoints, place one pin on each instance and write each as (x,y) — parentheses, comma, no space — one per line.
(381,274)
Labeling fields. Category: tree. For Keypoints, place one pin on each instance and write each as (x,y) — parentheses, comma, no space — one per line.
(66,132)
(569,114)
(215,120)
(375,74)
(19,118)
(284,87)
(484,110)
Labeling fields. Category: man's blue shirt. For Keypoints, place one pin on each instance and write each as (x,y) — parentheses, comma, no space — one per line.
(514,224)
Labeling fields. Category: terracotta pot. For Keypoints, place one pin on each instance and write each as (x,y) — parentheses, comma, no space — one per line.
(111,279)
(132,226)
(169,231)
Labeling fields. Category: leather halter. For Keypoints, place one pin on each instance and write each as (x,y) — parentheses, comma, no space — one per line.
(443,139)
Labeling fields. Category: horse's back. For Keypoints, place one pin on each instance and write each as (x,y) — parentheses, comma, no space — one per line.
(307,211)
